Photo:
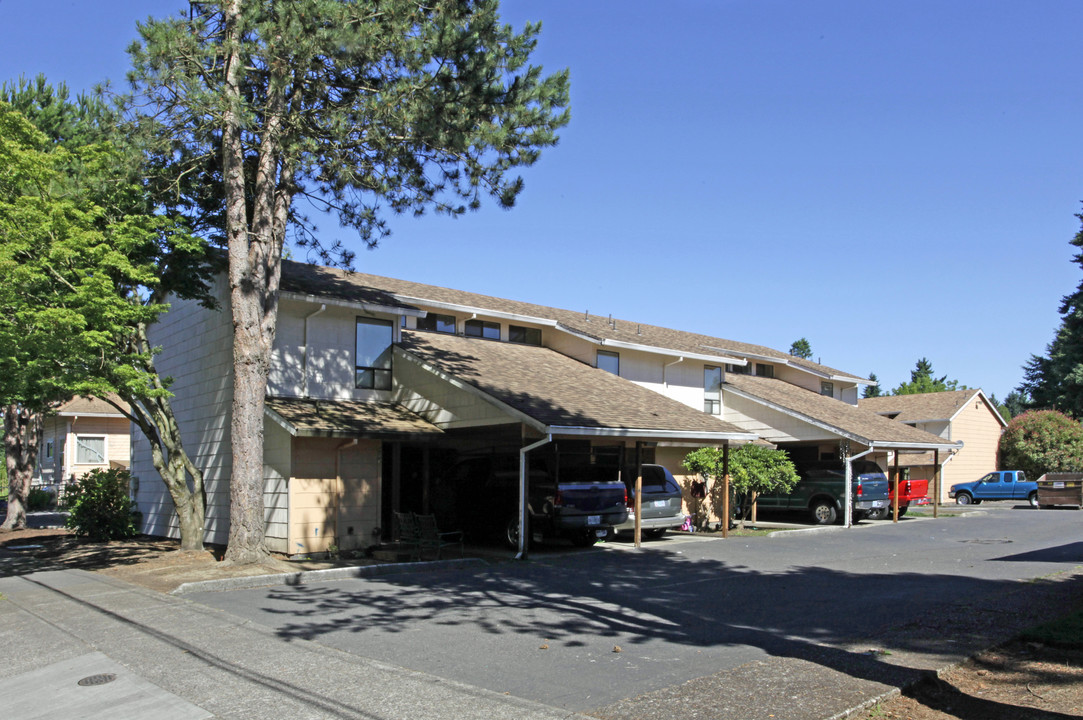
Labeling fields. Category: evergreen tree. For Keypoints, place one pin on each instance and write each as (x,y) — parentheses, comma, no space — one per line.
(801,348)
(1055,380)
(872,390)
(357,108)
(922,381)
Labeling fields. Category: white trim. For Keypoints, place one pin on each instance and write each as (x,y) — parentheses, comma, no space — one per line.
(703,435)
(351,304)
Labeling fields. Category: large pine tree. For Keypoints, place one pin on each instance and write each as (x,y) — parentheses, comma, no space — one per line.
(1055,380)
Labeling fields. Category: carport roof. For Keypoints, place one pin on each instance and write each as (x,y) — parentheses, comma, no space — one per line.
(846,420)
(347,418)
(559,395)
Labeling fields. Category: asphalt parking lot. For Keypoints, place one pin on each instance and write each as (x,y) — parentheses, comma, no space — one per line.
(589,630)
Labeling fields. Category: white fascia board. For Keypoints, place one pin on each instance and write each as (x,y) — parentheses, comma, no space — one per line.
(784,361)
(280,421)
(116,414)
(468,388)
(988,403)
(917,446)
(353,305)
(455,307)
(669,352)
(701,436)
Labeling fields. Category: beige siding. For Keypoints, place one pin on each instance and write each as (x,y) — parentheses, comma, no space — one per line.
(772,425)
(980,432)
(440,402)
(277,456)
(334,494)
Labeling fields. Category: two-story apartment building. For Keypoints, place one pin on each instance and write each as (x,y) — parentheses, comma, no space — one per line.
(375,382)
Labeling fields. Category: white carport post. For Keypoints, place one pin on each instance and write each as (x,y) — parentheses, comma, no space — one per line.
(524,528)
(847,460)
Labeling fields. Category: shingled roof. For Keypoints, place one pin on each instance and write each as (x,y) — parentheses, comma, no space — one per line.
(347,418)
(557,392)
(856,423)
(924,407)
(361,287)
(88,406)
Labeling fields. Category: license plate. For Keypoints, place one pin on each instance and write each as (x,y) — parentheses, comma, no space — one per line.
(594,519)
(658,503)
(878,503)
(601,533)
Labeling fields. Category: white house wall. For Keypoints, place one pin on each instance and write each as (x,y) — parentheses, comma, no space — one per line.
(440,402)
(197,353)
(772,425)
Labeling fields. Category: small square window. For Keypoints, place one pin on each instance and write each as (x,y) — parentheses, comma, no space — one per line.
(764,370)
(90,450)
(609,361)
(827,389)
(524,335)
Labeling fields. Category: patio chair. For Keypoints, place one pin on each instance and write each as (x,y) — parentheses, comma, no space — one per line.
(433,539)
(407,533)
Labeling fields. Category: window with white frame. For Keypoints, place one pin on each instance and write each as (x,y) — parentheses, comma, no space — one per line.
(373,355)
(712,390)
(609,361)
(90,449)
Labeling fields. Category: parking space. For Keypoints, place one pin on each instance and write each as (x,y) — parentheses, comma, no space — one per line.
(582,629)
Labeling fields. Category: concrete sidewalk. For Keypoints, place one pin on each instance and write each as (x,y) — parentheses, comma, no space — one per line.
(143,654)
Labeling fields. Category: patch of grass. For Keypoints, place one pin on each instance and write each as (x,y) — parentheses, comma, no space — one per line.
(1064,633)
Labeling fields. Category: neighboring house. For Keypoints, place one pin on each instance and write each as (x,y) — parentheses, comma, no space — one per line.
(965,416)
(376,382)
(82,434)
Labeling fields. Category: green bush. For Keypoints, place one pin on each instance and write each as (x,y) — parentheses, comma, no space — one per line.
(100,507)
(38,500)
(1042,441)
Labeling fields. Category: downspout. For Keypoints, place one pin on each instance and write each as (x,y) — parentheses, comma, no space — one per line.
(523,513)
(665,381)
(304,352)
(849,480)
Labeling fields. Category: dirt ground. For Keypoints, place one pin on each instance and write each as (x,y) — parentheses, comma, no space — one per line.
(1019,680)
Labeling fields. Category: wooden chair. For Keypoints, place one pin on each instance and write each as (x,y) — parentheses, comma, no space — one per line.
(432,538)
(407,532)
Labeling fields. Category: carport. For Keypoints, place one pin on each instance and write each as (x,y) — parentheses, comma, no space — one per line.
(459,383)
(822,428)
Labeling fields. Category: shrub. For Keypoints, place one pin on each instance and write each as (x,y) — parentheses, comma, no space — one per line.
(1042,441)
(100,507)
(38,499)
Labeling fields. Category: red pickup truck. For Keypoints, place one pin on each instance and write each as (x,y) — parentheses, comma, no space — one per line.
(914,492)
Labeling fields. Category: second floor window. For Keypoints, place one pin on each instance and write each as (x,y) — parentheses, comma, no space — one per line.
(763,370)
(437,323)
(525,335)
(609,361)
(373,358)
(483,329)
(827,389)
(712,390)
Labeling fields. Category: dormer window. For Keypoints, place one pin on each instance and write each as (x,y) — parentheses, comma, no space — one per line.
(827,389)
(609,361)
(764,370)
(524,335)
(434,322)
(483,329)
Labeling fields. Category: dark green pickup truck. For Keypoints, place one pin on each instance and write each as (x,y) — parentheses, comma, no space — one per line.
(819,492)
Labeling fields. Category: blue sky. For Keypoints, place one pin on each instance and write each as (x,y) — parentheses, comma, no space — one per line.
(891,180)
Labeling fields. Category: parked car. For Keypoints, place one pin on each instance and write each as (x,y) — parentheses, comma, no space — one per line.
(662,505)
(913,492)
(480,495)
(821,491)
(999,485)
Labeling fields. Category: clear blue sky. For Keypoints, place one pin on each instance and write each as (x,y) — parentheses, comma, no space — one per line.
(891,180)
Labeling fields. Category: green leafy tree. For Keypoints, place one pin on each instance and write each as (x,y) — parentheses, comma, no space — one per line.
(922,381)
(1041,441)
(801,348)
(872,390)
(753,469)
(1055,380)
(90,259)
(354,108)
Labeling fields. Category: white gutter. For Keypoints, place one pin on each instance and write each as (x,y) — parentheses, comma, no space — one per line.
(706,436)
(524,520)
(721,359)
(352,304)
(304,350)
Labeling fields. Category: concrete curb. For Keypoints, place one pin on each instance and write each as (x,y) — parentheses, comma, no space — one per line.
(314,576)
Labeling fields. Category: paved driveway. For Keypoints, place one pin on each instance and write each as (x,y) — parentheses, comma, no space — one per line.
(687,607)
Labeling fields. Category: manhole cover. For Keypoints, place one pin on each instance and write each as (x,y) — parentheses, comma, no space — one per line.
(99,679)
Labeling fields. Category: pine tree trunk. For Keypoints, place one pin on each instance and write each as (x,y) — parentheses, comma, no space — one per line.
(22,438)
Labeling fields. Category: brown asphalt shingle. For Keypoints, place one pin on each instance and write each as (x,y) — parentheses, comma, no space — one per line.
(347,418)
(556,390)
(848,420)
(920,407)
(82,405)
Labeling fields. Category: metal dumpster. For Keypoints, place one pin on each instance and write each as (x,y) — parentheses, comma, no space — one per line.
(1060,489)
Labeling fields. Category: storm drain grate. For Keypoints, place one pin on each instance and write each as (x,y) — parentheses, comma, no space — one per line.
(988,542)
(99,679)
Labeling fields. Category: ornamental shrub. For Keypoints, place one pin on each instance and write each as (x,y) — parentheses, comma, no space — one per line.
(38,500)
(100,507)
(1042,441)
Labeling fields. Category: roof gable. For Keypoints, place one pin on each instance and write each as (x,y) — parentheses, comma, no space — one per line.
(928,407)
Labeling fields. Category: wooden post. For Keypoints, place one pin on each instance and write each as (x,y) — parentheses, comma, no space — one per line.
(936,483)
(898,485)
(726,490)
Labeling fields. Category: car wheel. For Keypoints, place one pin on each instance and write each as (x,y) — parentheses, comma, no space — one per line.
(877,514)
(902,510)
(655,534)
(1033,499)
(511,532)
(824,513)
(584,539)
(963,499)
